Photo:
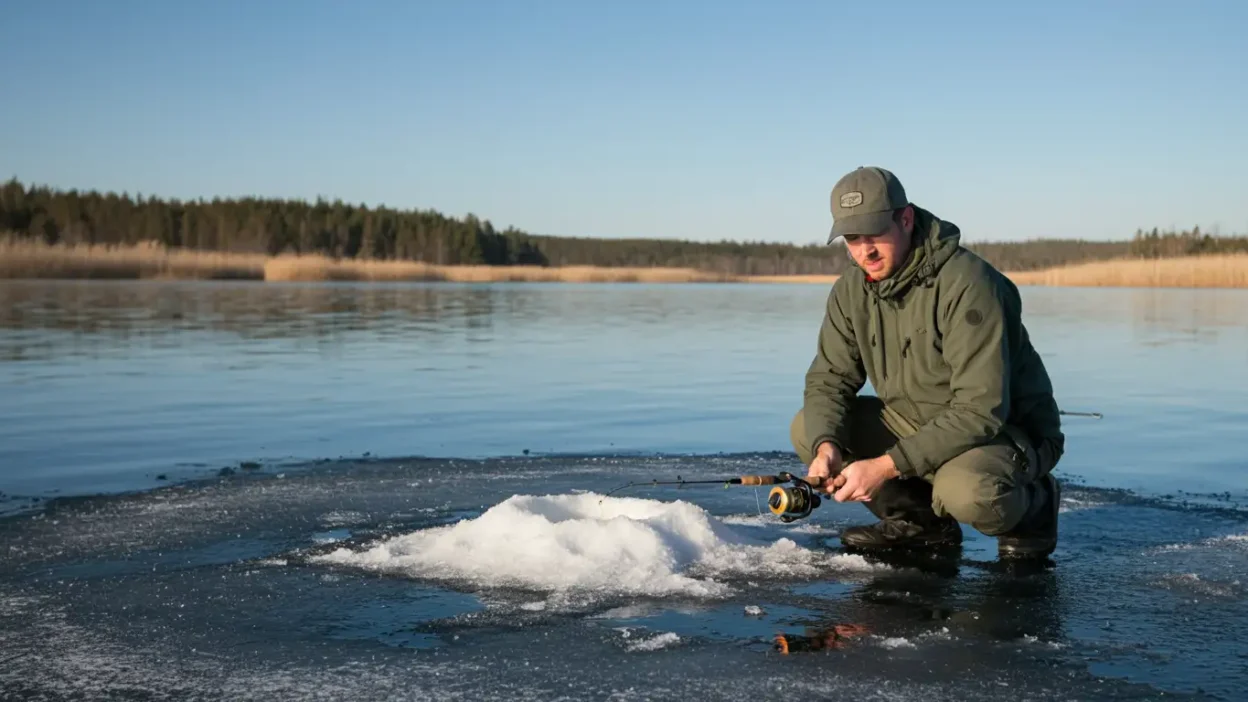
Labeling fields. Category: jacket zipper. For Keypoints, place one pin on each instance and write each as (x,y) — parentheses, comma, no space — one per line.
(879,330)
(902,384)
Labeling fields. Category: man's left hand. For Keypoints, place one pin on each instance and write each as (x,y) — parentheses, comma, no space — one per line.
(863,478)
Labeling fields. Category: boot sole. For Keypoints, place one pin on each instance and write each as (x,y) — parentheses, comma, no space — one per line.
(906,546)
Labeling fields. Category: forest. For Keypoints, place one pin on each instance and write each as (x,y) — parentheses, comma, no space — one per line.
(343,230)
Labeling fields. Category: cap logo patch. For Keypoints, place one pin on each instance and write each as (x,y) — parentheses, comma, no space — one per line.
(851,199)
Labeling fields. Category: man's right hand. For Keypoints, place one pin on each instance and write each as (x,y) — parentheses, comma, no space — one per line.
(827,464)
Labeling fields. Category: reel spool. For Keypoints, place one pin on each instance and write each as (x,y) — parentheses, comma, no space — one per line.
(792,503)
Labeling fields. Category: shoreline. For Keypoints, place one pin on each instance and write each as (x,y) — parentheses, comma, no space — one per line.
(37,261)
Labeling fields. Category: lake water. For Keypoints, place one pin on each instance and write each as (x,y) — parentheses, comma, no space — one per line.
(198,475)
(107,385)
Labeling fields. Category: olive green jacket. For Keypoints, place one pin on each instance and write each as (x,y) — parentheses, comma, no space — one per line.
(943,343)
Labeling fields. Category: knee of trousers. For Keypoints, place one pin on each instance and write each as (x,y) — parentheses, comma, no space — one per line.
(979,489)
(865,407)
(797,436)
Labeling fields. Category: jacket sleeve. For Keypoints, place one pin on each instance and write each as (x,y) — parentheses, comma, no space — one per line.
(834,377)
(976,332)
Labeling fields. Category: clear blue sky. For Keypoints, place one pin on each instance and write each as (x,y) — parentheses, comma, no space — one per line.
(694,120)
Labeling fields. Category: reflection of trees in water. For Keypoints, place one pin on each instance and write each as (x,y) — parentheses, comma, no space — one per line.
(281,310)
(91,316)
(102,315)
(252,310)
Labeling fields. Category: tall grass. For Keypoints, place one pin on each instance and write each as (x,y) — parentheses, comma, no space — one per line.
(309,268)
(28,259)
(1211,271)
(803,278)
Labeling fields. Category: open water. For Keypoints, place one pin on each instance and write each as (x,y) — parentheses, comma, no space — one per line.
(259,491)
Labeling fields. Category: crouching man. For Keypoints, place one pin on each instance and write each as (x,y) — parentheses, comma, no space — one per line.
(963,426)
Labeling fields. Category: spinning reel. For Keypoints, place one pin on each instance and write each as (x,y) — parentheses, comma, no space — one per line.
(794,502)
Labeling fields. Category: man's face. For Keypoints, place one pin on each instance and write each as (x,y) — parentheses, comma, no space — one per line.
(881,255)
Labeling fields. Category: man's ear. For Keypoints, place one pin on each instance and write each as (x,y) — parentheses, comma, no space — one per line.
(907,220)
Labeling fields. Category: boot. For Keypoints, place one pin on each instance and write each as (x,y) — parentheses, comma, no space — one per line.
(904,508)
(1036,535)
(898,532)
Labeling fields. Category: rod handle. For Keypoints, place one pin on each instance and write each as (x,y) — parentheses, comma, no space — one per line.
(776,480)
(759,480)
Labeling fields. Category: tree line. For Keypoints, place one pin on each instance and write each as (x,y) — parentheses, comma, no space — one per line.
(344,230)
(253,225)
(1155,244)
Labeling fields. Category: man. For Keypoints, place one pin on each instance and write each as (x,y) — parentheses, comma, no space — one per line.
(963,426)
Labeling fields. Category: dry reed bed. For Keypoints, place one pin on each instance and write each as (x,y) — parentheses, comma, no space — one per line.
(810,278)
(1213,271)
(26,259)
(313,268)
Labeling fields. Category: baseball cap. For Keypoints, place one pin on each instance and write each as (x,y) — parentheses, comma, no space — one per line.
(863,201)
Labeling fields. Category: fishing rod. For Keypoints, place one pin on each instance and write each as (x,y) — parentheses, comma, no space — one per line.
(791,497)
(790,503)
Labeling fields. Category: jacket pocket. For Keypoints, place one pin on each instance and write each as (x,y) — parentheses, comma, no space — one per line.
(925,374)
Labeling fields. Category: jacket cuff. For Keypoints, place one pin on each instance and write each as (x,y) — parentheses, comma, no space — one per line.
(830,438)
(904,466)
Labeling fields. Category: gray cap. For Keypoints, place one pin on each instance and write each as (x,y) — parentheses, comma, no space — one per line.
(863,202)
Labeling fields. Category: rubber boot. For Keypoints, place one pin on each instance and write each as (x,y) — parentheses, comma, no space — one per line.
(904,507)
(940,532)
(1036,535)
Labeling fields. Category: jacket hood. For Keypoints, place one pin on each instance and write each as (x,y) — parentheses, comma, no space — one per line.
(934,241)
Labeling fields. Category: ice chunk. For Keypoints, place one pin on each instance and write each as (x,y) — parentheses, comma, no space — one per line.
(616,545)
(655,643)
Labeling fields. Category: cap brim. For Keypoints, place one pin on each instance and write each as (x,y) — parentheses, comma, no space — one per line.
(870,224)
